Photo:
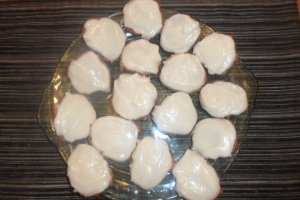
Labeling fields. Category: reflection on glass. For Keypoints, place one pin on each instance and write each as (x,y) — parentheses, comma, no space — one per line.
(158,134)
(55,100)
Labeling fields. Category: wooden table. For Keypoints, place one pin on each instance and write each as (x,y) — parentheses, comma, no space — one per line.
(35,34)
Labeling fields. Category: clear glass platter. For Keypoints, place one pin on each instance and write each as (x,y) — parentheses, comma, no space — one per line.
(122,187)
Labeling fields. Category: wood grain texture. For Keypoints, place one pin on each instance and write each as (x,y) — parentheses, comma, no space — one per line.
(35,34)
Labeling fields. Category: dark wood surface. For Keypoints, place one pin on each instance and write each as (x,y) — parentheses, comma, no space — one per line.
(35,34)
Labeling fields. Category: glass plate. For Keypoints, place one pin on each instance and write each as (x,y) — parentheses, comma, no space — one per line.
(122,187)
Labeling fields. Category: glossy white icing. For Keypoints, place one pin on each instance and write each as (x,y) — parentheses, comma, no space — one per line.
(105,36)
(151,162)
(176,114)
(141,56)
(88,172)
(74,117)
(133,96)
(183,72)
(89,74)
(195,178)
(217,52)
(214,138)
(221,99)
(143,17)
(115,137)
(179,33)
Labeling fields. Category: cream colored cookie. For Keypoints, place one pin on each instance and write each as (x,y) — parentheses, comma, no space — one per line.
(221,99)
(176,114)
(88,172)
(74,117)
(115,137)
(133,96)
(195,178)
(105,36)
(141,56)
(217,52)
(214,138)
(179,33)
(151,162)
(143,17)
(183,72)
(89,74)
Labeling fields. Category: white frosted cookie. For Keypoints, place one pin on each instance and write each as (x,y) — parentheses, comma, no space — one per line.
(214,138)
(143,17)
(176,114)
(217,52)
(183,72)
(195,178)
(89,74)
(114,136)
(105,36)
(133,96)
(221,99)
(141,56)
(74,117)
(151,162)
(179,33)
(88,172)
